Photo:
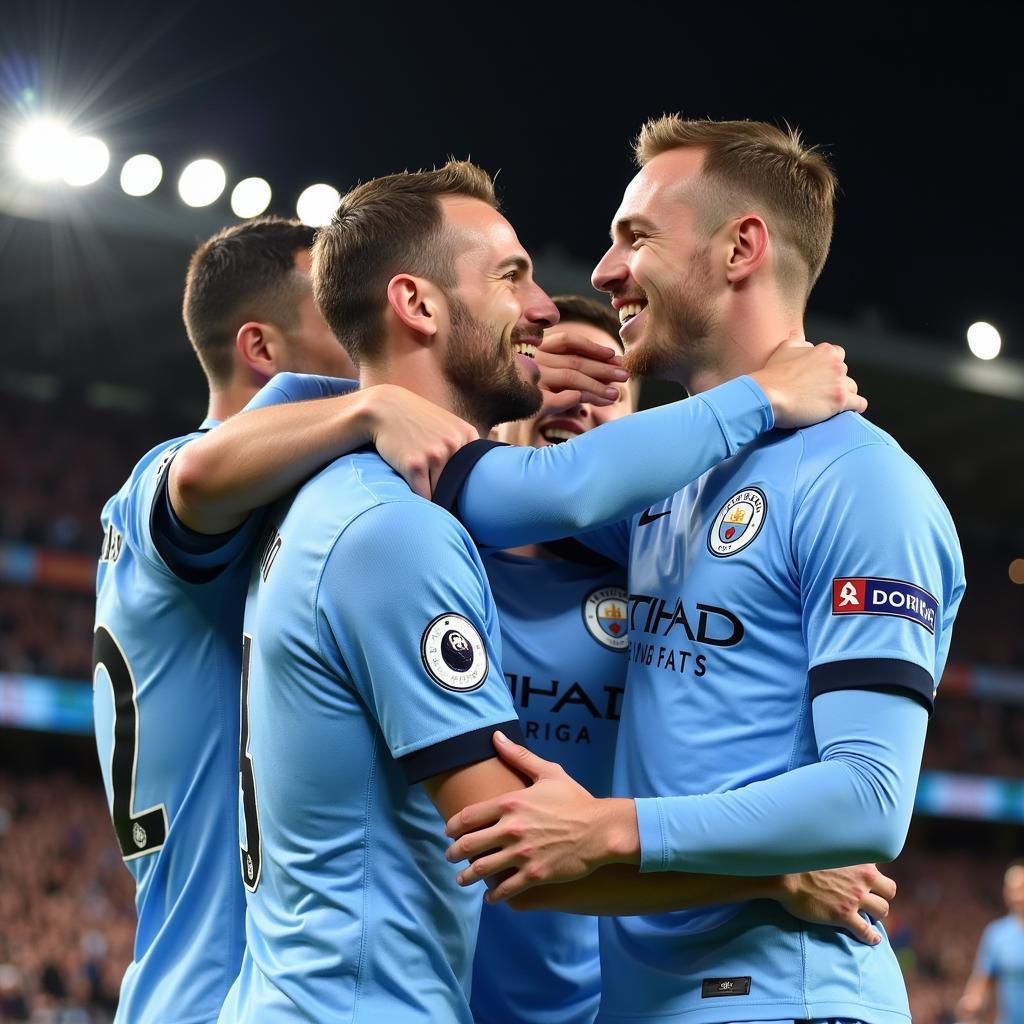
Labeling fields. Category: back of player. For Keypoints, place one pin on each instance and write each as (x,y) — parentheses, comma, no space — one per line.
(166,715)
(564,644)
(369,665)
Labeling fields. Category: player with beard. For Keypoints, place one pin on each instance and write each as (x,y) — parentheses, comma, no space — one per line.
(790,616)
(371,682)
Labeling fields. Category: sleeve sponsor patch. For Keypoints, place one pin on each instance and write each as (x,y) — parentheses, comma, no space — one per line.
(454,653)
(872,595)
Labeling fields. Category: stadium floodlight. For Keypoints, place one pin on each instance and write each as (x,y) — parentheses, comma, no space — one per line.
(141,174)
(41,148)
(202,182)
(983,340)
(250,197)
(317,204)
(86,161)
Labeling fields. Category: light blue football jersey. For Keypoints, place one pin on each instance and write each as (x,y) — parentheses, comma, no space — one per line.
(818,562)
(813,561)
(564,643)
(169,606)
(1001,957)
(371,663)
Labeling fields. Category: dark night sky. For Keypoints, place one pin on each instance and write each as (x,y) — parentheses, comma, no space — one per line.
(920,113)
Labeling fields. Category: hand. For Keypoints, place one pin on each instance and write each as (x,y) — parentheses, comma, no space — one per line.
(574,369)
(554,831)
(808,383)
(837,897)
(413,435)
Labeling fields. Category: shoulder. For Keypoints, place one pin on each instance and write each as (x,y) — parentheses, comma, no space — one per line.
(149,469)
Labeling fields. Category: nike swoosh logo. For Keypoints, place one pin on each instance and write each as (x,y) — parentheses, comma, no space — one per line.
(646,517)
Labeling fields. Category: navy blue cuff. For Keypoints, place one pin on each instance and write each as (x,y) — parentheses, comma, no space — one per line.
(874,674)
(572,550)
(171,537)
(457,752)
(460,465)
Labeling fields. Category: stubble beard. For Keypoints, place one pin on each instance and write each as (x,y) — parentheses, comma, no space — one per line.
(486,385)
(678,344)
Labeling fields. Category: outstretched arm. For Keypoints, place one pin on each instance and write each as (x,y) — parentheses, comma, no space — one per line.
(258,455)
(515,496)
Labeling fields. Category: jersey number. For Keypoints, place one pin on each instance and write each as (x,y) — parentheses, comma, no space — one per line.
(249,851)
(137,833)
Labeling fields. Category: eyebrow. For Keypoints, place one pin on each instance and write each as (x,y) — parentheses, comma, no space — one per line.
(515,263)
(623,223)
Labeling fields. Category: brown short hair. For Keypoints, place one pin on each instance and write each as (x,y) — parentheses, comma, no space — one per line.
(387,226)
(244,272)
(753,164)
(582,310)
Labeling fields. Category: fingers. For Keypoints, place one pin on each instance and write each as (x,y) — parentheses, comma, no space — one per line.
(862,930)
(597,379)
(522,760)
(472,818)
(568,343)
(485,867)
(884,886)
(874,906)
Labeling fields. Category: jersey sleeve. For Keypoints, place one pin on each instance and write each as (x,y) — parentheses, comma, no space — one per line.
(515,496)
(404,604)
(852,806)
(881,574)
(985,962)
(299,387)
(152,530)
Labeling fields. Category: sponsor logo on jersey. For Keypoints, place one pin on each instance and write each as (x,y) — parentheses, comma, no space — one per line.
(871,595)
(604,615)
(738,522)
(454,653)
(712,987)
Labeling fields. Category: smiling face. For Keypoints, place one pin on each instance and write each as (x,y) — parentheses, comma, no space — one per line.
(557,424)
(658,270)
(497,317)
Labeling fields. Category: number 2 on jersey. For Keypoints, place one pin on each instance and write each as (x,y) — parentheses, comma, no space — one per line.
(137,833)
(251,859)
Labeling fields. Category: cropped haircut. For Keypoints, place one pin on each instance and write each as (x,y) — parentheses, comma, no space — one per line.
(750,166)
(387,226)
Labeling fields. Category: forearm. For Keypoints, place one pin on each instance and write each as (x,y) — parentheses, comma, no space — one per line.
(851,807)
(257,456)
(620,890)
(523,495)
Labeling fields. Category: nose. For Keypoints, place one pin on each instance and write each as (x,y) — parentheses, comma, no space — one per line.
(611,272)
(540,310)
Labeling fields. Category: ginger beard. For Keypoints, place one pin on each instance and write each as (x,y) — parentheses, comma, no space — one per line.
(676,338)
(482,372)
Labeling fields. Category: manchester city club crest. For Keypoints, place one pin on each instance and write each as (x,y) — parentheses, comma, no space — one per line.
(454,653)
(738,522)
(604,615)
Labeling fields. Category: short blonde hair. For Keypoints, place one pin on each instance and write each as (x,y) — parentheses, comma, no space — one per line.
(753,165)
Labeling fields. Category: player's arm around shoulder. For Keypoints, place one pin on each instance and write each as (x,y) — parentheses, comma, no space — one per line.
(262,453)
(406,604)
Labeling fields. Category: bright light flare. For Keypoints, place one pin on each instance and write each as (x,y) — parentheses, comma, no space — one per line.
(41,150)
(141,174)
(983,340)
(317,204)
(86,161)
(202,182)
(250,197)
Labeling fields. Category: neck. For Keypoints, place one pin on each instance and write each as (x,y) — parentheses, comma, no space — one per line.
(417,371)
(226,401)
(743,342)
